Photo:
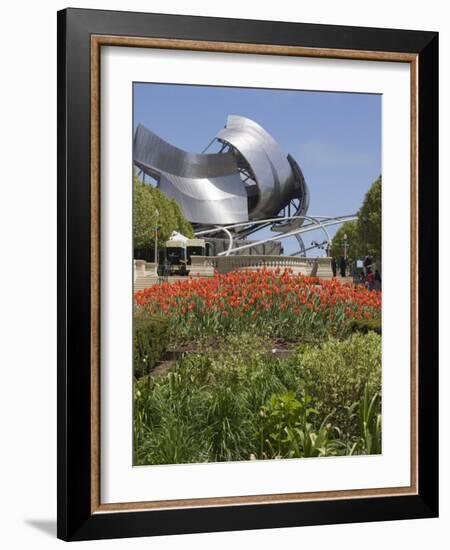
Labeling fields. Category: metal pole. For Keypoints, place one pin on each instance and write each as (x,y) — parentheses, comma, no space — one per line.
(156,240)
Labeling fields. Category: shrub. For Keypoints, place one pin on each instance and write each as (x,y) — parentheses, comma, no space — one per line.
(213,396)
(234,401)
(335,374)
(286,430)
(366,325)
(151,337)
(370,422)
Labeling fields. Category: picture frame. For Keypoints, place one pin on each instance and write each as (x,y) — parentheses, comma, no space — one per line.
(81,36)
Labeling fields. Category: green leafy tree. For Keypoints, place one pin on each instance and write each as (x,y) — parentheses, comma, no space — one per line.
(153,208)
(353,241)
(363,234)
(144,215)
(369,221)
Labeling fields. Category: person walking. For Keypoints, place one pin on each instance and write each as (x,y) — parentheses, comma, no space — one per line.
(377,278)
(370,280)
(367,264)
(342,266)
(361,277)
(333,266)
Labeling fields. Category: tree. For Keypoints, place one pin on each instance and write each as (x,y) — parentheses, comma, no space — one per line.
(369,221)
(147,201)
(353,242)
(363,234)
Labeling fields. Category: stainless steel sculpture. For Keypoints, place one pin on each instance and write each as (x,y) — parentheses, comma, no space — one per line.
(207,187)
(250,179)
(277,177)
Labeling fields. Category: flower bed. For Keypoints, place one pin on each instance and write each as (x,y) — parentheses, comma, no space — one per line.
(272,302)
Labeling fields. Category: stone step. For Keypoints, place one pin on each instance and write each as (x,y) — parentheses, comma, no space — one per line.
(145,282)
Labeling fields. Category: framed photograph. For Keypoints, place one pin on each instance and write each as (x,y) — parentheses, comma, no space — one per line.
(247,286)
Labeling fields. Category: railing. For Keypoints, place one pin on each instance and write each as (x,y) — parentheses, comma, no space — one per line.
(305,266)
(204,266)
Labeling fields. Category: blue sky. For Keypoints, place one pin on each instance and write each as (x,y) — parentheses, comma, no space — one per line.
(335,137)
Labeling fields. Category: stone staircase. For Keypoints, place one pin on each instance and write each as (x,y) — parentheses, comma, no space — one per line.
(144,282)
(145,274)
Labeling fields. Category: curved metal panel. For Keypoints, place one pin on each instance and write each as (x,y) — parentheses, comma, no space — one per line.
(208,201)
(207,187)
(274,177)
(150,151)
(302,194)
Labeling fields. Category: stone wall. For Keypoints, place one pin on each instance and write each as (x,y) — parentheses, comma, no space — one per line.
(145,274)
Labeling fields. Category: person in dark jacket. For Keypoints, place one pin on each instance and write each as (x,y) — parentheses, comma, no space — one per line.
(342,266)
(333,266)
(367,264)
(377,278)
(370,280)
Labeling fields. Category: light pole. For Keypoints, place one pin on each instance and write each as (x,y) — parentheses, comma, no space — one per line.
(345,246)
(156,239)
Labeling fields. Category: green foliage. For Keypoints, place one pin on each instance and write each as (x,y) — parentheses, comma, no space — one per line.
(366,325)
(151,338)
(223,404)
(280,417)
(287,432)
(369,221)
(144,215)
(354,245)
(335,374)
(363,234)
(370,422)
(147,200)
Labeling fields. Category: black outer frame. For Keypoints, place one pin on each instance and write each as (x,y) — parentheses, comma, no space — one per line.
(75,521)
